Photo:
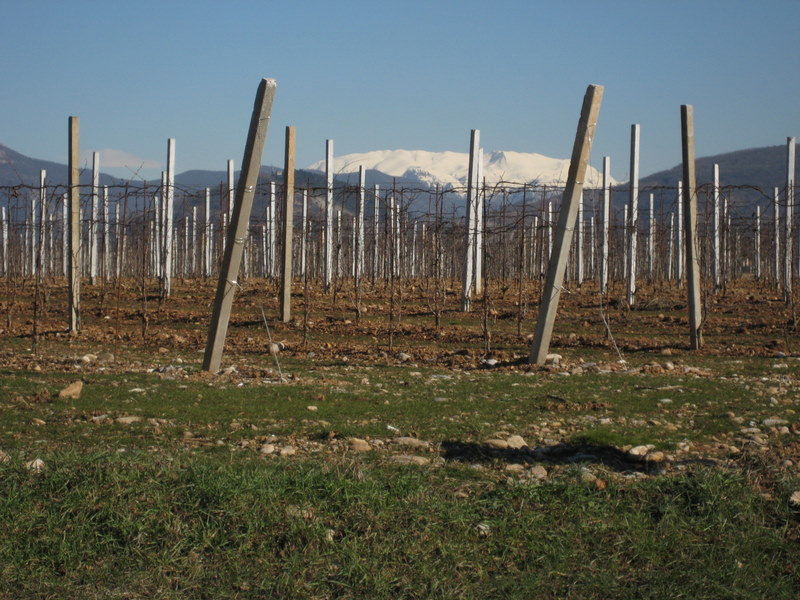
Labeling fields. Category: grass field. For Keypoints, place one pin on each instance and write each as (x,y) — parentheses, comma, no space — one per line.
(360,468)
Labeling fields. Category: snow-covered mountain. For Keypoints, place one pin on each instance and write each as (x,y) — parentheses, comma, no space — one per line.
(450,169)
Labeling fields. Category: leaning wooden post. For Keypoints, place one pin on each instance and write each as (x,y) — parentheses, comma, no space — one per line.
(566,222)
(288,229)
(690,226)
(74,225)
(237,233)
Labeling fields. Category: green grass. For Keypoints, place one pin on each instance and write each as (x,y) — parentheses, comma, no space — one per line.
(103,525)
(135,511)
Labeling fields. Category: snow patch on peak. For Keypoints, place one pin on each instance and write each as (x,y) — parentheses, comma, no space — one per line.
(451,168)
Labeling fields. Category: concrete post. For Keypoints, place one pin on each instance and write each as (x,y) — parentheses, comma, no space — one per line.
(104,264)
(74,285)
(633,213)
(93,218)
(579,244)
(606,218)
(226,287)
(272,226)
(548,305)
(467,282)
(4,232)
(757,243)
(375,232)
(679,258)
(169,199)
(690,225)
(715,248)
(362,191)
(304,235)
(651,239)
(788,235)
(288,227)
(480,200)
(776,199)
(231,188)
(328,215)
(207,235)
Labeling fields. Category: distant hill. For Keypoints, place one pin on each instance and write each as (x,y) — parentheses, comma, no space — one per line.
(747,177)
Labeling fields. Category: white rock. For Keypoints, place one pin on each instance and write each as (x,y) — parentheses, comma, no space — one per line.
(128,420)
(538,472)
(36,465)
(640,450)
(288,451)
(267,449)
(358,445)
(553,359)
(516,442)
(410,442)
(497,444)
(72,391)
(408,459)
(795,498)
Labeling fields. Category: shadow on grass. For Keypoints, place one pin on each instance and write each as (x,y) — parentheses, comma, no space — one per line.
(609,456)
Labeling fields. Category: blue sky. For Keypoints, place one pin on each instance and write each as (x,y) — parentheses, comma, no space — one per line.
(376,75)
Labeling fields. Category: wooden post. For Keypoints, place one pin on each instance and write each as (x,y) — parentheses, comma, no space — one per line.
(245,191)
(288,227)
(633,214)
(548,305)
(74,225)
(690,226)
(606,217)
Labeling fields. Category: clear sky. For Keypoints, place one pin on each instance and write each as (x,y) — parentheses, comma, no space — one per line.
(380,74)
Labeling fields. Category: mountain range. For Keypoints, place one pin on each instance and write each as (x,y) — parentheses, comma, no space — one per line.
(750,173)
